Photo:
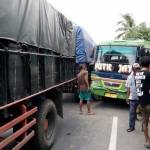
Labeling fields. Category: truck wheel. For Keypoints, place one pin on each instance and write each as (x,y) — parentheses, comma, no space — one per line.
(46,125)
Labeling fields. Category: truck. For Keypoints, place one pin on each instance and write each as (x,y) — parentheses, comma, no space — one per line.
(37,61)
(113,63)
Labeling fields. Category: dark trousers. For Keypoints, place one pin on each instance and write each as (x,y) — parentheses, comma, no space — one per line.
(132,113)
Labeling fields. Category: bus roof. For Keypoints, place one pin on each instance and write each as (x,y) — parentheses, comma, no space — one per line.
(144,43)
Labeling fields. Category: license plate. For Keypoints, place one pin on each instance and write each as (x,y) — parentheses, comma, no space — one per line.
(110,95)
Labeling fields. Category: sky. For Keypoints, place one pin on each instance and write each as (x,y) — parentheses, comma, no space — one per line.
(99,17)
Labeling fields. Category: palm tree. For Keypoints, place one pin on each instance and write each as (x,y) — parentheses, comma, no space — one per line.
(127,27)
(143,31)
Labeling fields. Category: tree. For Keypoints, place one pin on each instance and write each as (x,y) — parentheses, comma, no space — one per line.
(143,32)
(129,30)
(127,25)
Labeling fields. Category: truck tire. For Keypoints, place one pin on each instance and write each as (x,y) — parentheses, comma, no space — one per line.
(46,125)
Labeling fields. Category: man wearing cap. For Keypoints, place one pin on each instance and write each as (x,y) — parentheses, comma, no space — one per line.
(132,97)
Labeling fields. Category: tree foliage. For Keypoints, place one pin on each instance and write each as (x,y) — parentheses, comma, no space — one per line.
(129,30)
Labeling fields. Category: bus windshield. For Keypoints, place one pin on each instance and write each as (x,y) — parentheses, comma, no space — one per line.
(116,54)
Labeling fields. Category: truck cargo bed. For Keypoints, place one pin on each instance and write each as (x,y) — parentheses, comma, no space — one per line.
(27,71)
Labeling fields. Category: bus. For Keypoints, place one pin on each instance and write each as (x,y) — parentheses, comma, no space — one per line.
(113,63)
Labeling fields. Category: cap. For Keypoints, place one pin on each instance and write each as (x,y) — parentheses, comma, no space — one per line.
(136,65)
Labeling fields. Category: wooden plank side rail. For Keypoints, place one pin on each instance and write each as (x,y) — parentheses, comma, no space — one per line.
(15,135)
(36,94)
(24,141)
(17,120)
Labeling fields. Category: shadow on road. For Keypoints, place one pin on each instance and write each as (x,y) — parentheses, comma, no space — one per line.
(113,103)
(105,103)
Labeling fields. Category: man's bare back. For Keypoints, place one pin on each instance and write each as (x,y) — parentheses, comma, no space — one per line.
(83,80)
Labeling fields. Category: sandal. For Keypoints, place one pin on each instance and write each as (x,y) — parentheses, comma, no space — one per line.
(147,145)
(81,113)
(90,113)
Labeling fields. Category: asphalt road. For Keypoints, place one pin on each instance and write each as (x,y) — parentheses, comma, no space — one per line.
(104,131)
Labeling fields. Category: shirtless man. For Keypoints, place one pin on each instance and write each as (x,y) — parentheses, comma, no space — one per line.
(84,93)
